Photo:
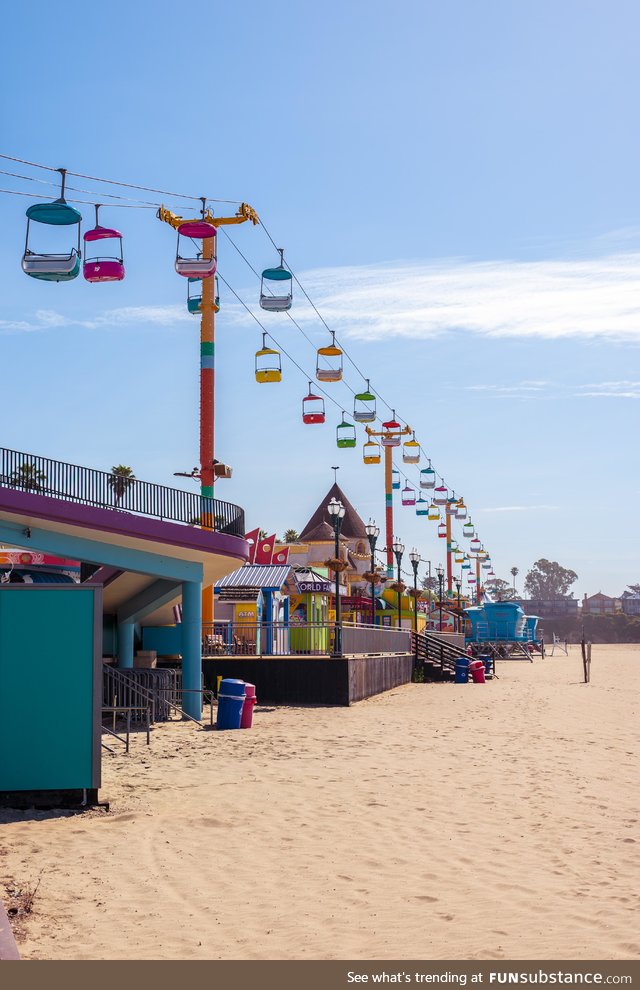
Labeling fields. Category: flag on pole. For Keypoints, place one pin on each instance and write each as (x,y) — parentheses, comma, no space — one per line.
(252,540)
(264,549)
(281,556)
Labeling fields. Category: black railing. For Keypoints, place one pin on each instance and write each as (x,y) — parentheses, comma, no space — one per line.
(86,486)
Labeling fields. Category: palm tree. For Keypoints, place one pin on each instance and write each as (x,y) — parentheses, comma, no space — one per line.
(28,477)
(514,573)
(120,480)
(290,536)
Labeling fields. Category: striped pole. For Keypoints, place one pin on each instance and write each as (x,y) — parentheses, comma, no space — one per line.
(388,507)
(207,393)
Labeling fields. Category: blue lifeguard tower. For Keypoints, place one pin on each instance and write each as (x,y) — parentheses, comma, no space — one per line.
(501,629)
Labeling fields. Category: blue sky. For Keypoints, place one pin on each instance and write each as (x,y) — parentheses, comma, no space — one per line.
(455,184)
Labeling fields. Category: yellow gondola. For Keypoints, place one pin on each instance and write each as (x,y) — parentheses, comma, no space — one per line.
(268,363)
(329,362)
(411,451)
(434,513)
(371,452)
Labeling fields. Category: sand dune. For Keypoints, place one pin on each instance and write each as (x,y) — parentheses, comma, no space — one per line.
(438,821)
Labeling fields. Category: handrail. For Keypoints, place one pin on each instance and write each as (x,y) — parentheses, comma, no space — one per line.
(103,489)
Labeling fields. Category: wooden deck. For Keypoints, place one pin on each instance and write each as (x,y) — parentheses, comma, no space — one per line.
(312,680)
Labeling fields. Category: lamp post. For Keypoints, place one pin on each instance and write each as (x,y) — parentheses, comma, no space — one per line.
(414,557)
(336,510)
(440,573)
(373,532)
(398,549)
(457,583)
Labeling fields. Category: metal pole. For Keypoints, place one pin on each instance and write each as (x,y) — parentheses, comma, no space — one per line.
(207,413)
(414,564)
(388,507)
(337,639)
(447,519)
(399,559)
(441,587)
(372,544)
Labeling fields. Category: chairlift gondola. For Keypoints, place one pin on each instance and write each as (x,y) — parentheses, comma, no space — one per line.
(371,452)
(475,546)
(329,362)
(422,506)
(411,451)
(468,529)
(428,477)
(441,495)
(194,296)
(276,287)
(364,405)
(103,267)
(50,267)
(434,513)
(391,438)
(198,266)
(442,530)
(408,495)
(268,363)
(345,433)
(395,479)
(461,509)
(313,408)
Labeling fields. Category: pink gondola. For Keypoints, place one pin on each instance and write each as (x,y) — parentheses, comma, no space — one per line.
(198,267)
(101,268)
(440,495)
(408,495)
(313,408)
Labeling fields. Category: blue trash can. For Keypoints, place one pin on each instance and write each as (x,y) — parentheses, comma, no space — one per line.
(487,661)
(462,670)
(230,701)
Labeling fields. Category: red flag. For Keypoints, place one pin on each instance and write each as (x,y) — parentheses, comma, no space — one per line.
(264,549)
(281,556)
(252,540)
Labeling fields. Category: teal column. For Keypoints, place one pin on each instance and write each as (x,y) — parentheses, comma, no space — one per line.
(125,644)
(192,647)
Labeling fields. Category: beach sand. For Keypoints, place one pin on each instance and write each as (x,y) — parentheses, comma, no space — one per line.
(434,821)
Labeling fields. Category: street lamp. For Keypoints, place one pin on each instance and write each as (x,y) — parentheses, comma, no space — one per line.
(458,583)
(440,573)
(398,549)
(336,510)
(414,557)
(373,532)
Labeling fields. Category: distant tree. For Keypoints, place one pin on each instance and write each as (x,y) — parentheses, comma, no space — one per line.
(120,480)
(635,588)
(514,573)
(429,583)
(290,536)
(501,590)
(262,534)
(547,579)
(28,477)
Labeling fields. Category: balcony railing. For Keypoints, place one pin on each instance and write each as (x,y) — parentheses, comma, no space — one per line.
(86,486)
(308,639)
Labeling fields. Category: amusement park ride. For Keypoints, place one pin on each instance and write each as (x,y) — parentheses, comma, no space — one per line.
(196,261)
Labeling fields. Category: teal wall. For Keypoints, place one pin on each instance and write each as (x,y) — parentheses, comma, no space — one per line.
(48,718)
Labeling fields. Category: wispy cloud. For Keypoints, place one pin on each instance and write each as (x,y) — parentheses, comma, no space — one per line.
(555,299)
(48,319)
(549,390)
(610,390)
(551,299)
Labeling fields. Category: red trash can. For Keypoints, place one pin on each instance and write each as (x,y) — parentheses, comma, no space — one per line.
(247,709)
(476,669)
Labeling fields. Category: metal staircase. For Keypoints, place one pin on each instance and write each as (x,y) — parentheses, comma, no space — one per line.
(436,656)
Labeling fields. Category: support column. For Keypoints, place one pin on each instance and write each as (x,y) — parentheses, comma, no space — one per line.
(207,392)
(192,647)
(125,645)
(447,516)
(388,507)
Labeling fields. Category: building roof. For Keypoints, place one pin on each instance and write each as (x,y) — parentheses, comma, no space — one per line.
(257,576)
(352,524)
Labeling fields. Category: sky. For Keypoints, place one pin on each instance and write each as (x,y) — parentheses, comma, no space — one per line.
(455,186)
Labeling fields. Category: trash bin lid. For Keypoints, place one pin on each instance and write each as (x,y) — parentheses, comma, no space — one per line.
(232,686)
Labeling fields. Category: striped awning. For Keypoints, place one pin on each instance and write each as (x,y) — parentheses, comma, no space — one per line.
(265,578)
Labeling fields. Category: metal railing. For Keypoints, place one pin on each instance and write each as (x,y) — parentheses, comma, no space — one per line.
(307,639)
(87,486)
(160,691)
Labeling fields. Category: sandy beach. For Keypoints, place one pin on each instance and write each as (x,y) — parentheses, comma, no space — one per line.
(434,821)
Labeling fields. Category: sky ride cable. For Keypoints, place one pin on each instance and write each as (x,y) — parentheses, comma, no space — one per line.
(114,182)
